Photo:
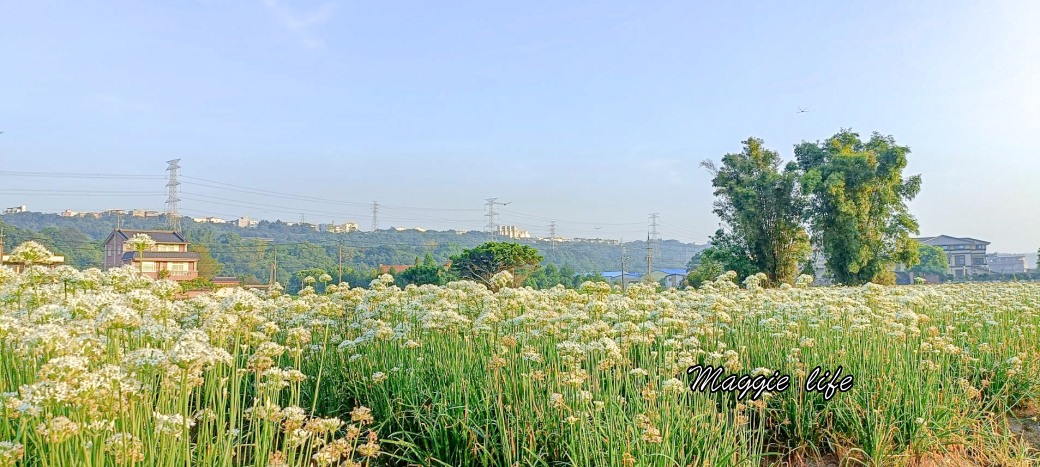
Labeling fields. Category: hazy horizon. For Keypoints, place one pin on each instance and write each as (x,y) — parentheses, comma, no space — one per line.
(590,115)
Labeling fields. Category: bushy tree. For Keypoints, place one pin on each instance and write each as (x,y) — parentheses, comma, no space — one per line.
(932,260)
(762,207)
(482,262)
(208,266)
(427,272)
(858,210)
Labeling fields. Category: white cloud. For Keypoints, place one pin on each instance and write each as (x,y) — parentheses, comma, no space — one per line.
(301,23)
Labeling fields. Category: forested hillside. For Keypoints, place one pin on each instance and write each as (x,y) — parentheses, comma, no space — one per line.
(250,252)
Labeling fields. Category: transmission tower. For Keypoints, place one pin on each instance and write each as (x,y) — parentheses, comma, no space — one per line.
(375,216)
(491,227)
(655,236)
(552,237)
(173,218)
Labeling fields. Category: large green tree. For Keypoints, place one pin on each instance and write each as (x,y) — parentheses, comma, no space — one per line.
(761,204)
(858,210)
(932,260)
(484,261)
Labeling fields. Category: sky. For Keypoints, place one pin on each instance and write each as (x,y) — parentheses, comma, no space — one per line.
(590,114)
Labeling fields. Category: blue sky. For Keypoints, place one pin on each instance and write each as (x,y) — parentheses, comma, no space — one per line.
(592,114)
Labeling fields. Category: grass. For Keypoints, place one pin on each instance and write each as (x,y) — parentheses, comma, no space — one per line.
(116,372)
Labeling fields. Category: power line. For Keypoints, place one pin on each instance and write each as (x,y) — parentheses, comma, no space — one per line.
(79,175)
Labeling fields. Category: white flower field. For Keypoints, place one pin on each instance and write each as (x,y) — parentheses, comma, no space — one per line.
(116,369)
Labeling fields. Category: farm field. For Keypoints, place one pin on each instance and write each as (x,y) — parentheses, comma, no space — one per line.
(113,369)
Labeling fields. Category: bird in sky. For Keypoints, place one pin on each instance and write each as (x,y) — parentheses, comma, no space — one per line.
(802,111)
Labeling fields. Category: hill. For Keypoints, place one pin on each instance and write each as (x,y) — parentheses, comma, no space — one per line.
(250,252)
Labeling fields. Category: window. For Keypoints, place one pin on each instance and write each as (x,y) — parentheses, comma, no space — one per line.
(978,261)
(959,260)
(162,247)
(148,266)
(178,267)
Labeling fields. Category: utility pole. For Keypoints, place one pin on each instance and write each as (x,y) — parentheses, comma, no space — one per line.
(491,227)
(274,266)
(375,216)
(649,258)
(340,263)
(173,218)
(624,258)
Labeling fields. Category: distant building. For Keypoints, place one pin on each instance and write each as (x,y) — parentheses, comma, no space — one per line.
(513,232)
(615,277)
(345,227)
(16,209)
(143,213)
(52,262)
(967,256)
(209,220)
(69,213)
(603,241)
(245,222)
(673,277)
(169,254)
(113,212)
(1006,264)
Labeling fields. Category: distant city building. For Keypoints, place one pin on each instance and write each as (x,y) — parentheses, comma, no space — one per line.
(209,220)
(402,229)
(603,241)
(69,213)
(143,213)
(245,222)
(169,254)
(967,256)
(16,209)
(1006,264)
(345,227)
(513,232)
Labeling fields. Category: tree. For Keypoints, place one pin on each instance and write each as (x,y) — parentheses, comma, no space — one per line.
(933,260)
(428,272)
(762,208)
(482,262)
(208,266)
(726,253)
(141,243)
(858,209)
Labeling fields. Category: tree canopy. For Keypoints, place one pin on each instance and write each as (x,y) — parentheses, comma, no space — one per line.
(857,205)
(933,260)
(761,205)
(484,261)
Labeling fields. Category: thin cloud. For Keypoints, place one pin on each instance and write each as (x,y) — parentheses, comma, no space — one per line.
(301,23)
